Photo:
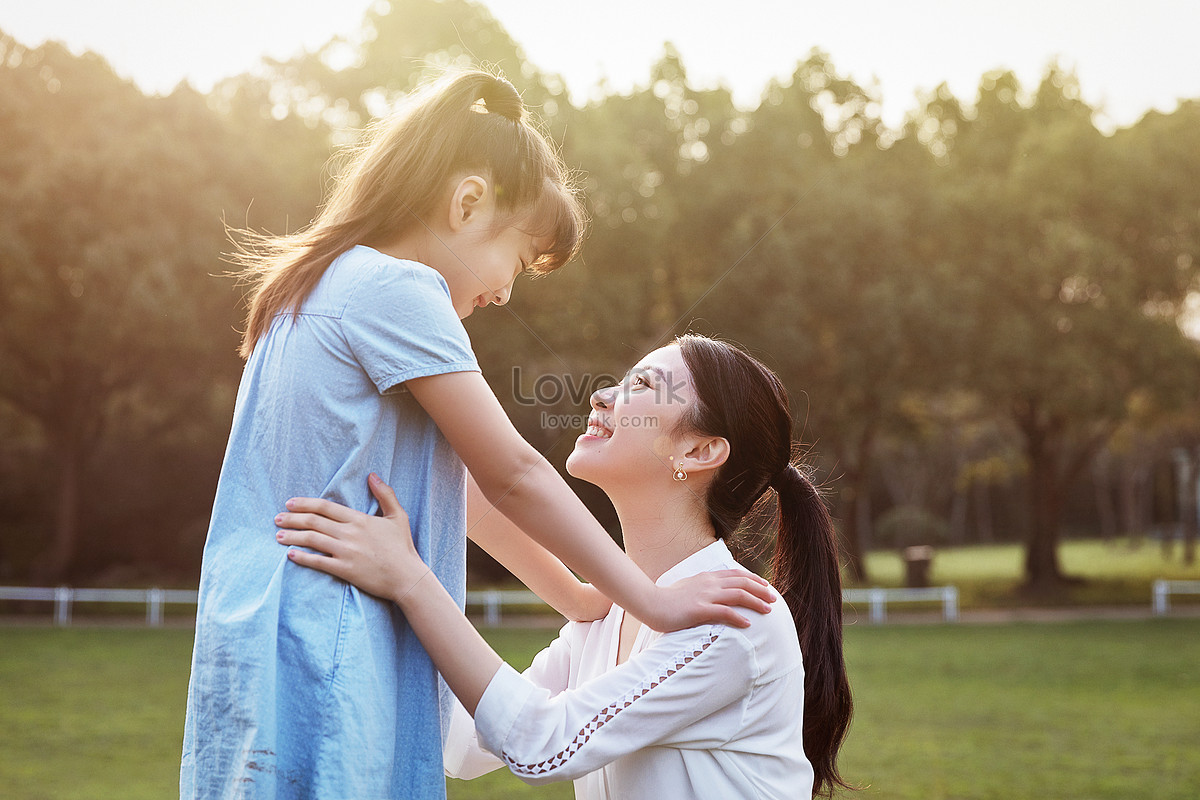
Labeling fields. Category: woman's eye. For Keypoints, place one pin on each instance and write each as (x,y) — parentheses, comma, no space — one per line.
(640,380)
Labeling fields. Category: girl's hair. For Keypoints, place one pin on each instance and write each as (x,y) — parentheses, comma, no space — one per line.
(393,181)
(740,399)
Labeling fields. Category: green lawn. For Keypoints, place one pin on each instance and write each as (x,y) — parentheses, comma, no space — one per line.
(1091,710)
(1119,572)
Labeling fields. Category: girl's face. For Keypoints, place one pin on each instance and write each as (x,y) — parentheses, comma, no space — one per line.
(482,248)
(631,436)
(482,264)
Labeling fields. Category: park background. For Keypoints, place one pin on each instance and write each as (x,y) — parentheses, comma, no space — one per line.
(986,308)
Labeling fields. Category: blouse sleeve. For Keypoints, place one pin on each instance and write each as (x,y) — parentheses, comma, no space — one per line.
(463,756)
(687,690)
(401,324)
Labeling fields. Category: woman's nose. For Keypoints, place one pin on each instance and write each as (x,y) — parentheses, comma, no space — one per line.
(603,398)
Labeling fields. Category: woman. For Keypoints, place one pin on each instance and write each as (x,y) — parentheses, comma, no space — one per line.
(685,447)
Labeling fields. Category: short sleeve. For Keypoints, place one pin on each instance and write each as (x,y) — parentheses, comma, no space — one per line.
(401,324)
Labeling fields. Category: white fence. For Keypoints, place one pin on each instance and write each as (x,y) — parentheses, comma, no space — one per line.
(491,600)
(65,597)
(878,600)
(1164,589)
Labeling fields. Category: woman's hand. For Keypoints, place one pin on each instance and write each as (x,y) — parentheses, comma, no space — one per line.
(710,598)
(376,554)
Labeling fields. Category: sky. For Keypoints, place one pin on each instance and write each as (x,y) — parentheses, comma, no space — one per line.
(1129,55)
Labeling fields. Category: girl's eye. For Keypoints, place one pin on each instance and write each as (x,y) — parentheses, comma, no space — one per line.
(640,380)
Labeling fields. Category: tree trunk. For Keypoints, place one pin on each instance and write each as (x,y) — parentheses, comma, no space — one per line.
(1189,515)
(958,516)
(855,492)
(1106,510)
(1042,569)
(985,531)
(1044,443)
(1127,495)
(866,533)
(57,559)
(1055,460)
(848,511)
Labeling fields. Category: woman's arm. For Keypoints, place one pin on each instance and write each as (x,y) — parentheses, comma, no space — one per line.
(654,698)
(532,564)
(377,555)
(526,489)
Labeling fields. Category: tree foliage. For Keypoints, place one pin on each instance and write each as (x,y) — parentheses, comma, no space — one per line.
(981,299)
(111,229)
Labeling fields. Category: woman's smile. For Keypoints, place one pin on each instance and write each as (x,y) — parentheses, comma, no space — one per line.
(597,428)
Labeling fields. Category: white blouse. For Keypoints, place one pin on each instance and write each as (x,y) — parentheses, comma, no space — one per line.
(707,712)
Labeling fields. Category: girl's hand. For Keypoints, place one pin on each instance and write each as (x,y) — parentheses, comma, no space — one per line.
(376,554)
(711,598)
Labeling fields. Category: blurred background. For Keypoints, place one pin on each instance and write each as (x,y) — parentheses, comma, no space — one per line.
(974,268)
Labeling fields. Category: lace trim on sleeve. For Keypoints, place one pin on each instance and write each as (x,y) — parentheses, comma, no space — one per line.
(609,712)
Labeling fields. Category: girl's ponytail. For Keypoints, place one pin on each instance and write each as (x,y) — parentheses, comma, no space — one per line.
(501,97)
(392,183)
(806,572)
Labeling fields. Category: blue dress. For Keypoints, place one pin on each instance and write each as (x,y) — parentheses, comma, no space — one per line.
(302,686)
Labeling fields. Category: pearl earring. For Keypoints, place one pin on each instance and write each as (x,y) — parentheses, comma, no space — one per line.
(679,474)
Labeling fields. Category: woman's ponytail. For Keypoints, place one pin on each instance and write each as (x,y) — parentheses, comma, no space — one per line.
(739,399)
(806,572)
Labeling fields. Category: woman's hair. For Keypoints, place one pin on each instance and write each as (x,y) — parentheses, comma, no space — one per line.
(394,180)
(740,399)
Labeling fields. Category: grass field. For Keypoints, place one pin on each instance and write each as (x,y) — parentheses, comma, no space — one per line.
(1116,572)
(1072,711)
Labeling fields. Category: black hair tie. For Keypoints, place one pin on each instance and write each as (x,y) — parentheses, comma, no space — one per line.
(501,97)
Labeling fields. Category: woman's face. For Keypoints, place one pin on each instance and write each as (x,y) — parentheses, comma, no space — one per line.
(631,430)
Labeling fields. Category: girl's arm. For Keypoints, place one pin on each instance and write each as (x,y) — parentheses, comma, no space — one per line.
(526,489)
(532,564)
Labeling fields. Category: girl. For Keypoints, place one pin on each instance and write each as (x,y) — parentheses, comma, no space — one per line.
(302,686)
(695,436)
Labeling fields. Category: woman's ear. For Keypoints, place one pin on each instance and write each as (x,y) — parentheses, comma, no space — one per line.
(707,454)
(470,197)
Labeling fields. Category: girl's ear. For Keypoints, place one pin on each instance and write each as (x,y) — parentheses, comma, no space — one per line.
(469,198)
(707,454)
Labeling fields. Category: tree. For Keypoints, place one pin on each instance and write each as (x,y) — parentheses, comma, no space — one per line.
(346,83)
(806,240)
(110,231)
(1072,283)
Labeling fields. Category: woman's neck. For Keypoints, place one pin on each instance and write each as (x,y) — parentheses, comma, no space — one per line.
(662,528)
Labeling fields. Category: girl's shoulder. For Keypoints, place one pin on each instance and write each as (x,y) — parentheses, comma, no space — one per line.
(362,264)
(365,279)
